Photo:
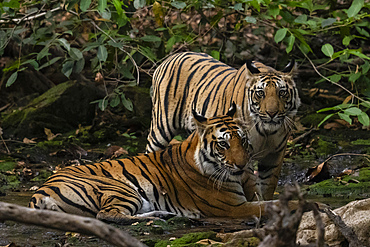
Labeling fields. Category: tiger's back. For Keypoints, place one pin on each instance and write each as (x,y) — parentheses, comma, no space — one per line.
(182,82)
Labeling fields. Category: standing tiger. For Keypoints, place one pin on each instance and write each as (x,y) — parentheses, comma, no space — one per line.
(267,99)
(199,177)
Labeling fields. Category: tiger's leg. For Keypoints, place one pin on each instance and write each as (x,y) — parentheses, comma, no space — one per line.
(160,133)
(250,186)
(124,210)
(268,173)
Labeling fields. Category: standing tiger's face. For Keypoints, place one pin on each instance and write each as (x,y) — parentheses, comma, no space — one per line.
(223,148)
(273,97)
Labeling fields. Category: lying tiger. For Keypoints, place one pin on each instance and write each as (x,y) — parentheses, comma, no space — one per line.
(199,177)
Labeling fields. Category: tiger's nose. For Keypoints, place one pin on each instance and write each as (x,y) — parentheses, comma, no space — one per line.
(272,114)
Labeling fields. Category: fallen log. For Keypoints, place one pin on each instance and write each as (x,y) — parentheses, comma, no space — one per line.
(67,222)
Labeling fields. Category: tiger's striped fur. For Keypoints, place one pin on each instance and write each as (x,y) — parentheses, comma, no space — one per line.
(267,99)
(199,177)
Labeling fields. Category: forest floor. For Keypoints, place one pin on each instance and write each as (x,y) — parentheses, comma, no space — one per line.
(331,164)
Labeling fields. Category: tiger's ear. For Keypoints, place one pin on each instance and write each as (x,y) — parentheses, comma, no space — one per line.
(199,117)
(232,110)
(251,68)
(200,121)
(290,68)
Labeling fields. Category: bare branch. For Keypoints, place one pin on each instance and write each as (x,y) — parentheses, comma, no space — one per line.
(67,222)
(347,231)
(335,83)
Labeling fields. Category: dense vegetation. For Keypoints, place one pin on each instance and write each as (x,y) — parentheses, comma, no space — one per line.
(115,42)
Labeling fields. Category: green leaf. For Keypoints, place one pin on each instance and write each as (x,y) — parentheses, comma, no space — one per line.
(337,107)
(127,103)
(273,10)
(160,29)
(79,66)
(106,14)
(354,76)
(67,68)
(13,4)
(335,77)
(44,52)
(326,118)
(32,62)
(250,19)
(64,43)
(237,7)
(301,19)
(328,50)
(138,4)
(346,40)
(362,31)
(353,111)
(255,4)
(328,22)
(147,52)
(151,38)
(215,54)
(84,5)
(280,34)
(359,54)
(363,118)
(102,53)
(118,5)
(12,79)
(291,41)
(48,63)
(365,67)
(75,54)
(361,142)
(338,54)
(345,117)
(178,4)
(366,104)
(171,42)
(179,26)
(103,104)
(126,73)
(355,8)
(102,4)
(114,44)
(287,16)
(123,20)
(115,101)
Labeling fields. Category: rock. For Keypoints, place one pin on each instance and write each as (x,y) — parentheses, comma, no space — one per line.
(355,214)
(60,109)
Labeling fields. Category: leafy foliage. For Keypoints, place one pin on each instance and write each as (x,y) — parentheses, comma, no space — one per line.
(114,41)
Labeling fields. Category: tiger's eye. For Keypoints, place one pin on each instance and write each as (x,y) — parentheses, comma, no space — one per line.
(260,93)
(283,93)
(223,144)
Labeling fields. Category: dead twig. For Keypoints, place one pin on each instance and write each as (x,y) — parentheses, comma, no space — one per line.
(282,227)
(335,83)
(346,231)
(298,138)
(2,139)
(366,156)
(67,222)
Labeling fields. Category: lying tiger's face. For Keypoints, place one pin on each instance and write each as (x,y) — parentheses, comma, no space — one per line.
(223,149)
(273,98)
